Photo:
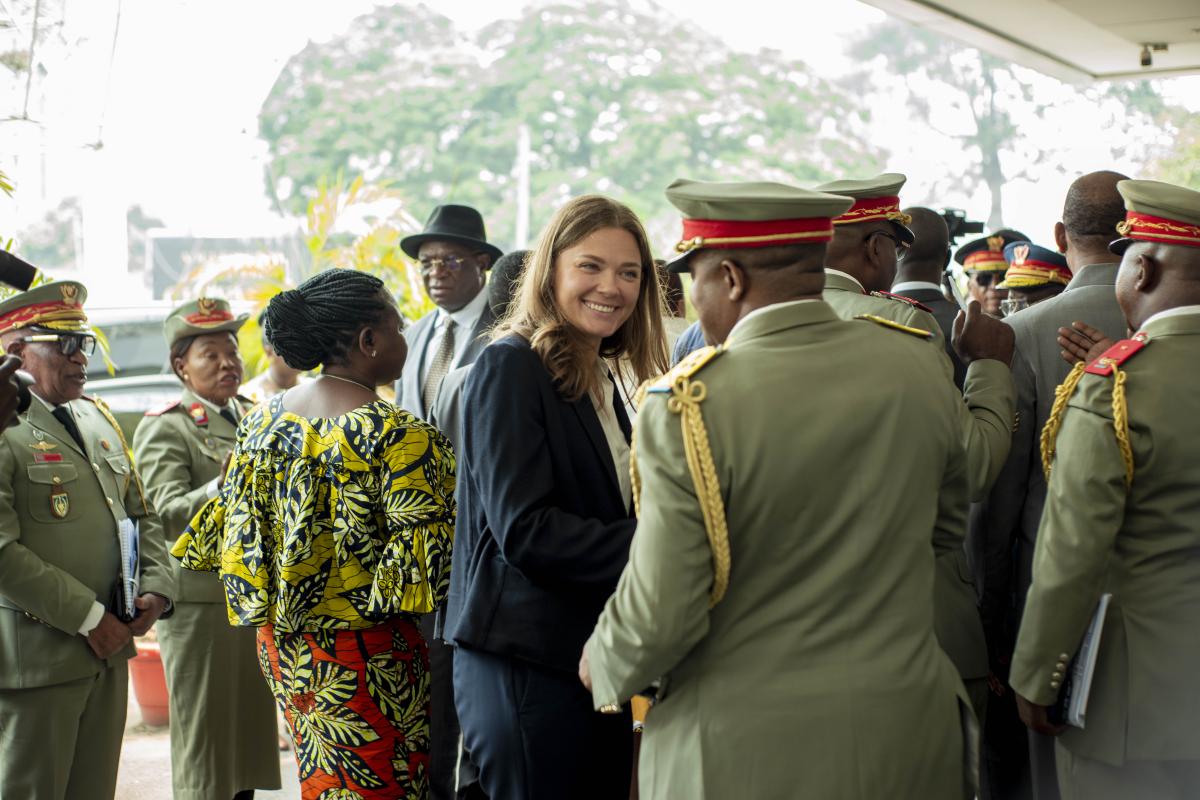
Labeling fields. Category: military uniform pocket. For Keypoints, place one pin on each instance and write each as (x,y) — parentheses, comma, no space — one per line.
(118,464)
(51,487)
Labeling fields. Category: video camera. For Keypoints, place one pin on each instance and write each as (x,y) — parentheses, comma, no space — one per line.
(959,225)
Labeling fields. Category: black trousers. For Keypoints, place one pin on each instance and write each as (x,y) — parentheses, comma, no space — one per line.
(443,725)
(533,733)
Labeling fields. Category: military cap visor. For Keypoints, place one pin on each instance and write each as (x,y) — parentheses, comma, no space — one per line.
(200,317)
(1158,212)
(740,215)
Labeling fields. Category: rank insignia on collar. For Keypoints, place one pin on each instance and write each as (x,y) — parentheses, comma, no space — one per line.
(60,502)
(43,445)
(199,415)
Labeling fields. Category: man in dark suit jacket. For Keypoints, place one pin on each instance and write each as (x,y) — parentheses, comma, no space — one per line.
(1004,532)
(453,254)
(919,276)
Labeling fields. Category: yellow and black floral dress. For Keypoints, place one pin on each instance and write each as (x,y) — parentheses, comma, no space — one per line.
(331,535)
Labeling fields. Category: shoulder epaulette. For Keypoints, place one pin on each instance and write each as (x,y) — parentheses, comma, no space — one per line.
(1115,356)
(688,366)
(896,326)
(902,299)
(158,411)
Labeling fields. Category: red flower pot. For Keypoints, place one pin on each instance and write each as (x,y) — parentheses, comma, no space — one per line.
(150,684)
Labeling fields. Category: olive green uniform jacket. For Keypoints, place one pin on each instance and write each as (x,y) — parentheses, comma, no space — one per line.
(223,728)
(58,557)
(807,678)
(1139,542)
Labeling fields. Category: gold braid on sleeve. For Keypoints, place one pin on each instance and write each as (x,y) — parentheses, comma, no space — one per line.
(685,400)
(133,473)
(1120,410)
(1050,433)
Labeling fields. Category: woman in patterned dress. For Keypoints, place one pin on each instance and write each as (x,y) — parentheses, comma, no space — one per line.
(332,533)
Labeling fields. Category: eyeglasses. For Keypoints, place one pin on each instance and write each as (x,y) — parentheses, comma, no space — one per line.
(983,279)
(451,263)
(895,240)
(68,343)
(1012,305)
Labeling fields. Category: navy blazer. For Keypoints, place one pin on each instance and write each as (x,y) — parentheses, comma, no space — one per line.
(542,532)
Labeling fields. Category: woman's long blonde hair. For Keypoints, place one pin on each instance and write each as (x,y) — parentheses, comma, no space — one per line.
(534,316)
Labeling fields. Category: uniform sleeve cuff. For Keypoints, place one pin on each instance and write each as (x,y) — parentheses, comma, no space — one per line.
(604,693)
(212,488)
(92,619)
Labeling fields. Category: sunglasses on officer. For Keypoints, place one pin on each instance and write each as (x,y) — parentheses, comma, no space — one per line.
(68,343)
(983,279)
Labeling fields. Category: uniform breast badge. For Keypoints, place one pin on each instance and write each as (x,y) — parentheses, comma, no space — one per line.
(43,454)
(199,415)
(60,502)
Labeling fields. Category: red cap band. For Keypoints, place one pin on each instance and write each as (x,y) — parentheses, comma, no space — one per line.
(874,208)
(1159,229)
(731,234)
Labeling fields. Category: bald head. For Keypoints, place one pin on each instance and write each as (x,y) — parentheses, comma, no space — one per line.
(926,257)
(1155,277)
(1091,213)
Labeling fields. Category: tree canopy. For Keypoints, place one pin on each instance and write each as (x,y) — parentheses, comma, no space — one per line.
(618,99)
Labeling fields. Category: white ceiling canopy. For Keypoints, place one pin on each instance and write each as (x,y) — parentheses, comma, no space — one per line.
(1073,40)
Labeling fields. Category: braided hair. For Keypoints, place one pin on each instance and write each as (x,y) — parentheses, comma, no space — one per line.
(316,322)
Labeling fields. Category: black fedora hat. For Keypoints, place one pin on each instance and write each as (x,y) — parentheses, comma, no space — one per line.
(451,223)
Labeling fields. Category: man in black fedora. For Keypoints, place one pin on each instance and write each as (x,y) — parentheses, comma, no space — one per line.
(452,253)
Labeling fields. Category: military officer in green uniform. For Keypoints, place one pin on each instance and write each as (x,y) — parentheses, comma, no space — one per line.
(780,593)
(1122,517)
(69,602)
(861,265)
(223,729)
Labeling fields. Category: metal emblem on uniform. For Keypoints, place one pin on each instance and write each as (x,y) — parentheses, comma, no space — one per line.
(206,305)
(105,444)
(996,243)
(38,435)
(1020,253)
(60,503)
(70,294)
(43,445)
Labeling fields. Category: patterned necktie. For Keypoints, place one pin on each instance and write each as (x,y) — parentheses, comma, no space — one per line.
(64,416)
(438,367)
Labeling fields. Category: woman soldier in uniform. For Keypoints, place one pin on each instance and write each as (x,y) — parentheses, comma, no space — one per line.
(223,728)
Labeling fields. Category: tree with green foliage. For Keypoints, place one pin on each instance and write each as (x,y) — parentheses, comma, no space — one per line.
(619,99)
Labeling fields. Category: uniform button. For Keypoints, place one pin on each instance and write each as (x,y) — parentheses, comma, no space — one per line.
(95,466)
(1063,656)
(1054,684)
(108,500)
(1057,676)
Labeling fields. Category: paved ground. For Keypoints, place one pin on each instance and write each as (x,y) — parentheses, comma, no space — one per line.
(146,764)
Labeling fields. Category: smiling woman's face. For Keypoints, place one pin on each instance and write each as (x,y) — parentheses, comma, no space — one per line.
(597,281)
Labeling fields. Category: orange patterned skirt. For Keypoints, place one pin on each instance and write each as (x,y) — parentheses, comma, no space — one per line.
(357,703)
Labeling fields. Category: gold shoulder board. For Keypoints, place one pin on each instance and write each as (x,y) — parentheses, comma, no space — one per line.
(920,333)
(692,363)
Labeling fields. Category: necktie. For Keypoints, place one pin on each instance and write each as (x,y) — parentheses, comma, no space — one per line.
(438,367)
(228,415)
(64,416)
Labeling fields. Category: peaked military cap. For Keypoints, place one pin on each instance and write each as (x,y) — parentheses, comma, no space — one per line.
(750,214)
(1158,212)
(57,306)
(1031,266)
(986,254)
(198,317)
(874,198)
